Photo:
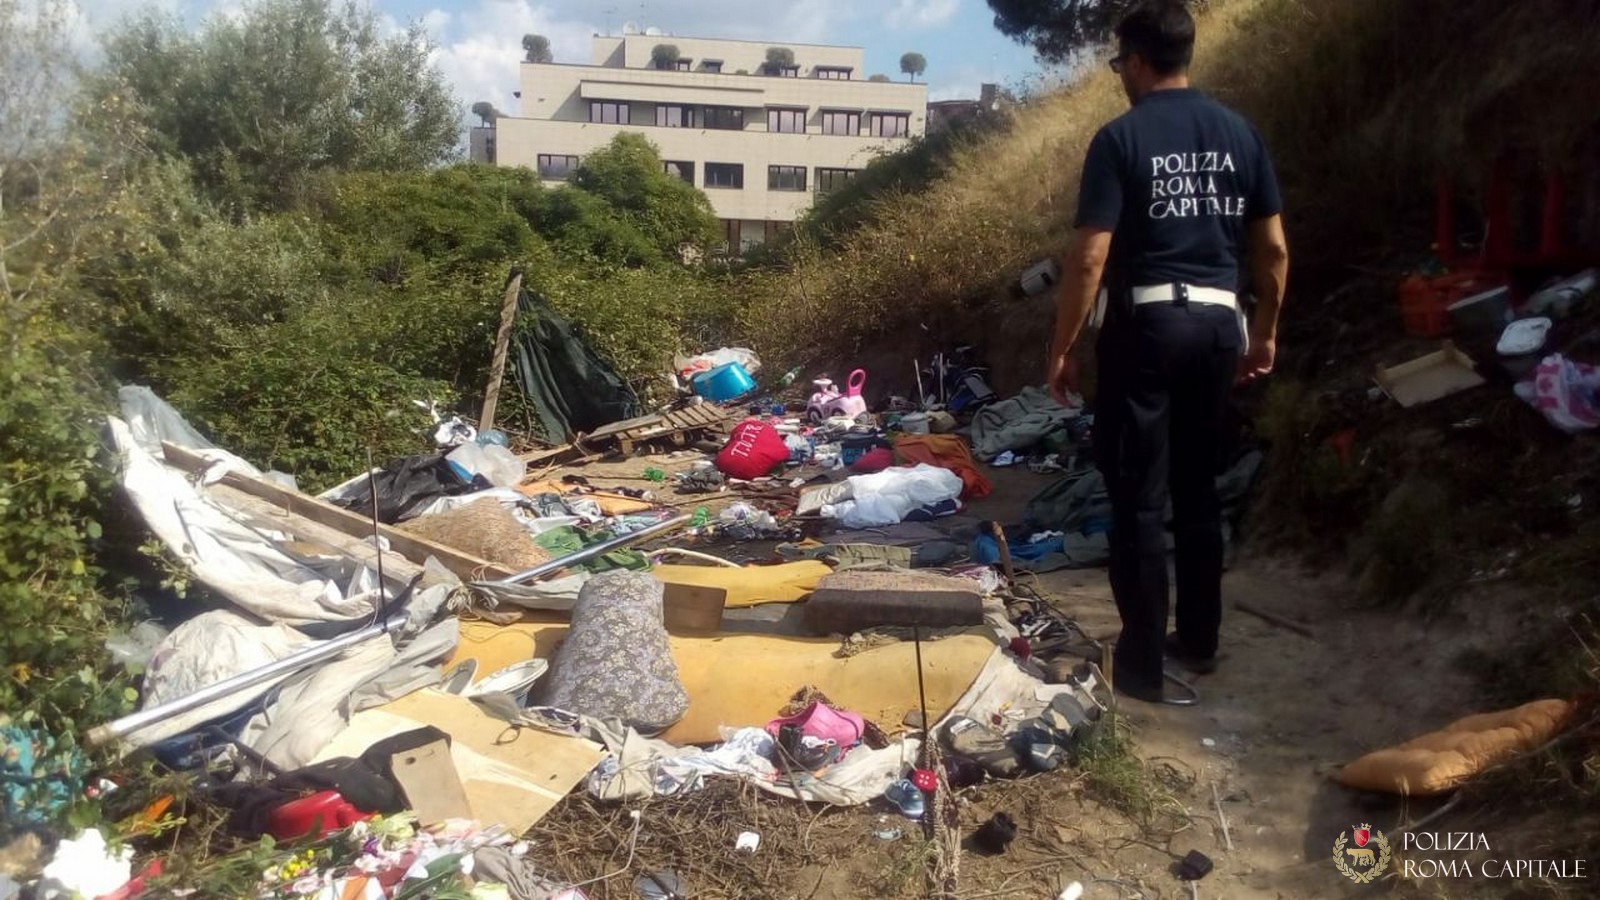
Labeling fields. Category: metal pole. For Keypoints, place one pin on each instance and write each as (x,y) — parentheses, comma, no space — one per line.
(601,549)
(294,662)
(922,695)
(126,725)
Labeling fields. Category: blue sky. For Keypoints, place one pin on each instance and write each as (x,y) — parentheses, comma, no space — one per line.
(480,40)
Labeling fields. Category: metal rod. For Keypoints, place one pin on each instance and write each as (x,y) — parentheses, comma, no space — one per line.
(382,612)
(922,695)
(294,662)
(126,725)
(601,549)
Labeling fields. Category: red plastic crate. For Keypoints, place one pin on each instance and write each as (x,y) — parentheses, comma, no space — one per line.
(1425,302)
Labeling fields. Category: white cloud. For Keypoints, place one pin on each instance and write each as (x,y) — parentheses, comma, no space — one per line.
(480,49)
(961,83)
(921,13)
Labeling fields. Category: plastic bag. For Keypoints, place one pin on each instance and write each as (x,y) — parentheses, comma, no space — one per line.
(688,367)
(133,648)
(1566,392)
(499,466)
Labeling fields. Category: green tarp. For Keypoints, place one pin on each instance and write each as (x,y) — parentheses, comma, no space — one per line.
(570,387)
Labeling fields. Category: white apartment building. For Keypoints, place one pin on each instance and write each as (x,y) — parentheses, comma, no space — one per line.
(761,145)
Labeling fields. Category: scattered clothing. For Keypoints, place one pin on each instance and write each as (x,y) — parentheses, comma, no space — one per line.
(947,452)
(1017,423)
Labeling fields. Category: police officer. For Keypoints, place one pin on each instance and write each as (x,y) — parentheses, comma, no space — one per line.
(1174,193)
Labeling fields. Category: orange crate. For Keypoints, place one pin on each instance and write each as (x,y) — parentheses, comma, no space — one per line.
(1425,302)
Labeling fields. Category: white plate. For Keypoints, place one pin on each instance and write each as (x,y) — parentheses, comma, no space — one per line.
(513,679)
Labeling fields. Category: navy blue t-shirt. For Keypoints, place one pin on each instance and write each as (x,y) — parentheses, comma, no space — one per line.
(1176,178)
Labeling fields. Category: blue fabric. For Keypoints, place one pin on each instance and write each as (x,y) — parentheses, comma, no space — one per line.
(37,780)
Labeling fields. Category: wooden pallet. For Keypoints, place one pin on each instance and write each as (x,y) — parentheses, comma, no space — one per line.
(675,427)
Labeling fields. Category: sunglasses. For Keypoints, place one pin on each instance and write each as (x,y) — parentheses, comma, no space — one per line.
(1116,62)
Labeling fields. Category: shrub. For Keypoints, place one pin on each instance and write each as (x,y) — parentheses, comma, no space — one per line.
(55,675)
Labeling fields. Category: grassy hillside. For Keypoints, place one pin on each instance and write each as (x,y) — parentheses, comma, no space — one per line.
(1364,103)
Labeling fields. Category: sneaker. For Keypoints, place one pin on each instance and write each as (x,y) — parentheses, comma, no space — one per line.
(906,798)
(970,738)
(1199,665)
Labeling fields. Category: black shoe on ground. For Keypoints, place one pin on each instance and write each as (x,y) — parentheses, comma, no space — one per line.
(1199,665)
(1156,695)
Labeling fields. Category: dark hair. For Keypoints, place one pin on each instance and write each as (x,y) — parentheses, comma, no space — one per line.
(1161,31)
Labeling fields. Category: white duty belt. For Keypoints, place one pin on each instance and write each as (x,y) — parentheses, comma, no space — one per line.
(1179,293)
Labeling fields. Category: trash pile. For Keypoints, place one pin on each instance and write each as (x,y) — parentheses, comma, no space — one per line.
(1544,343)
(390,682)
(395,679)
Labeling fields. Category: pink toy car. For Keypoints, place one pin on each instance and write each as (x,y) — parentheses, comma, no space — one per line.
(827,402)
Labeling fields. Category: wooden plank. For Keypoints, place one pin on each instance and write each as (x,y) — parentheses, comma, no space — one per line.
(624,425)
(538,457)
(466,566)
(314,538)
(431,785)
(512,776)
(502,340)
(691,609)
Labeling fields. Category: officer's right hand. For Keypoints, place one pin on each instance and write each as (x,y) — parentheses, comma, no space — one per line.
(1258,361)
(1063,378)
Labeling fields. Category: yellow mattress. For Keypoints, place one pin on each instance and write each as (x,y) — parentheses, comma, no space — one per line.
(745,679)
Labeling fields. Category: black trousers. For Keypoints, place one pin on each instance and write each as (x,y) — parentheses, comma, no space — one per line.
(1164,376)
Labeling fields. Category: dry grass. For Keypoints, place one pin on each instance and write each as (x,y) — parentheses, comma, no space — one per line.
(1364,104)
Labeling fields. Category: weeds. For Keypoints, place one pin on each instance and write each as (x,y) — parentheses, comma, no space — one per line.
(1115,776)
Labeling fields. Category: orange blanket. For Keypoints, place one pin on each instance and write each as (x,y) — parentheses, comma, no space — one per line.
(946,451)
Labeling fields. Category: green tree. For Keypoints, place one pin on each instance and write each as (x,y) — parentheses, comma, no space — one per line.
(913,64)
(665,56)
(60,190)
(627,174)
(536,49)
(486,112)
(1056,29)
(778,59)
(260,103)
(879,78)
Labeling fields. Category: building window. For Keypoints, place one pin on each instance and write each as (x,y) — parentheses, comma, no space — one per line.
(556,167)
(679,168)
(786,121)
(668,116)
(841,123)
(730,118)
(724,175)
(891,125)
(833,179)
(608,112)
(711,65)
(788,71)
(830,73)
(786,178)
(683,65)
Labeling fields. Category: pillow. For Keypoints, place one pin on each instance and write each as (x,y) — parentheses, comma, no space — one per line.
(1440,761)
(754,448)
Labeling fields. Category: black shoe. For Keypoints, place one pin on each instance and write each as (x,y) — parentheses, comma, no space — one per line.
(1159,694)
(1199,665)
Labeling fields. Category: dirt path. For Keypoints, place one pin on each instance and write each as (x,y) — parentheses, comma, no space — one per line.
(1281,714)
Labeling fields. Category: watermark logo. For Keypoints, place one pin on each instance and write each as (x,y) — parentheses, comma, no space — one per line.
(1367,859)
